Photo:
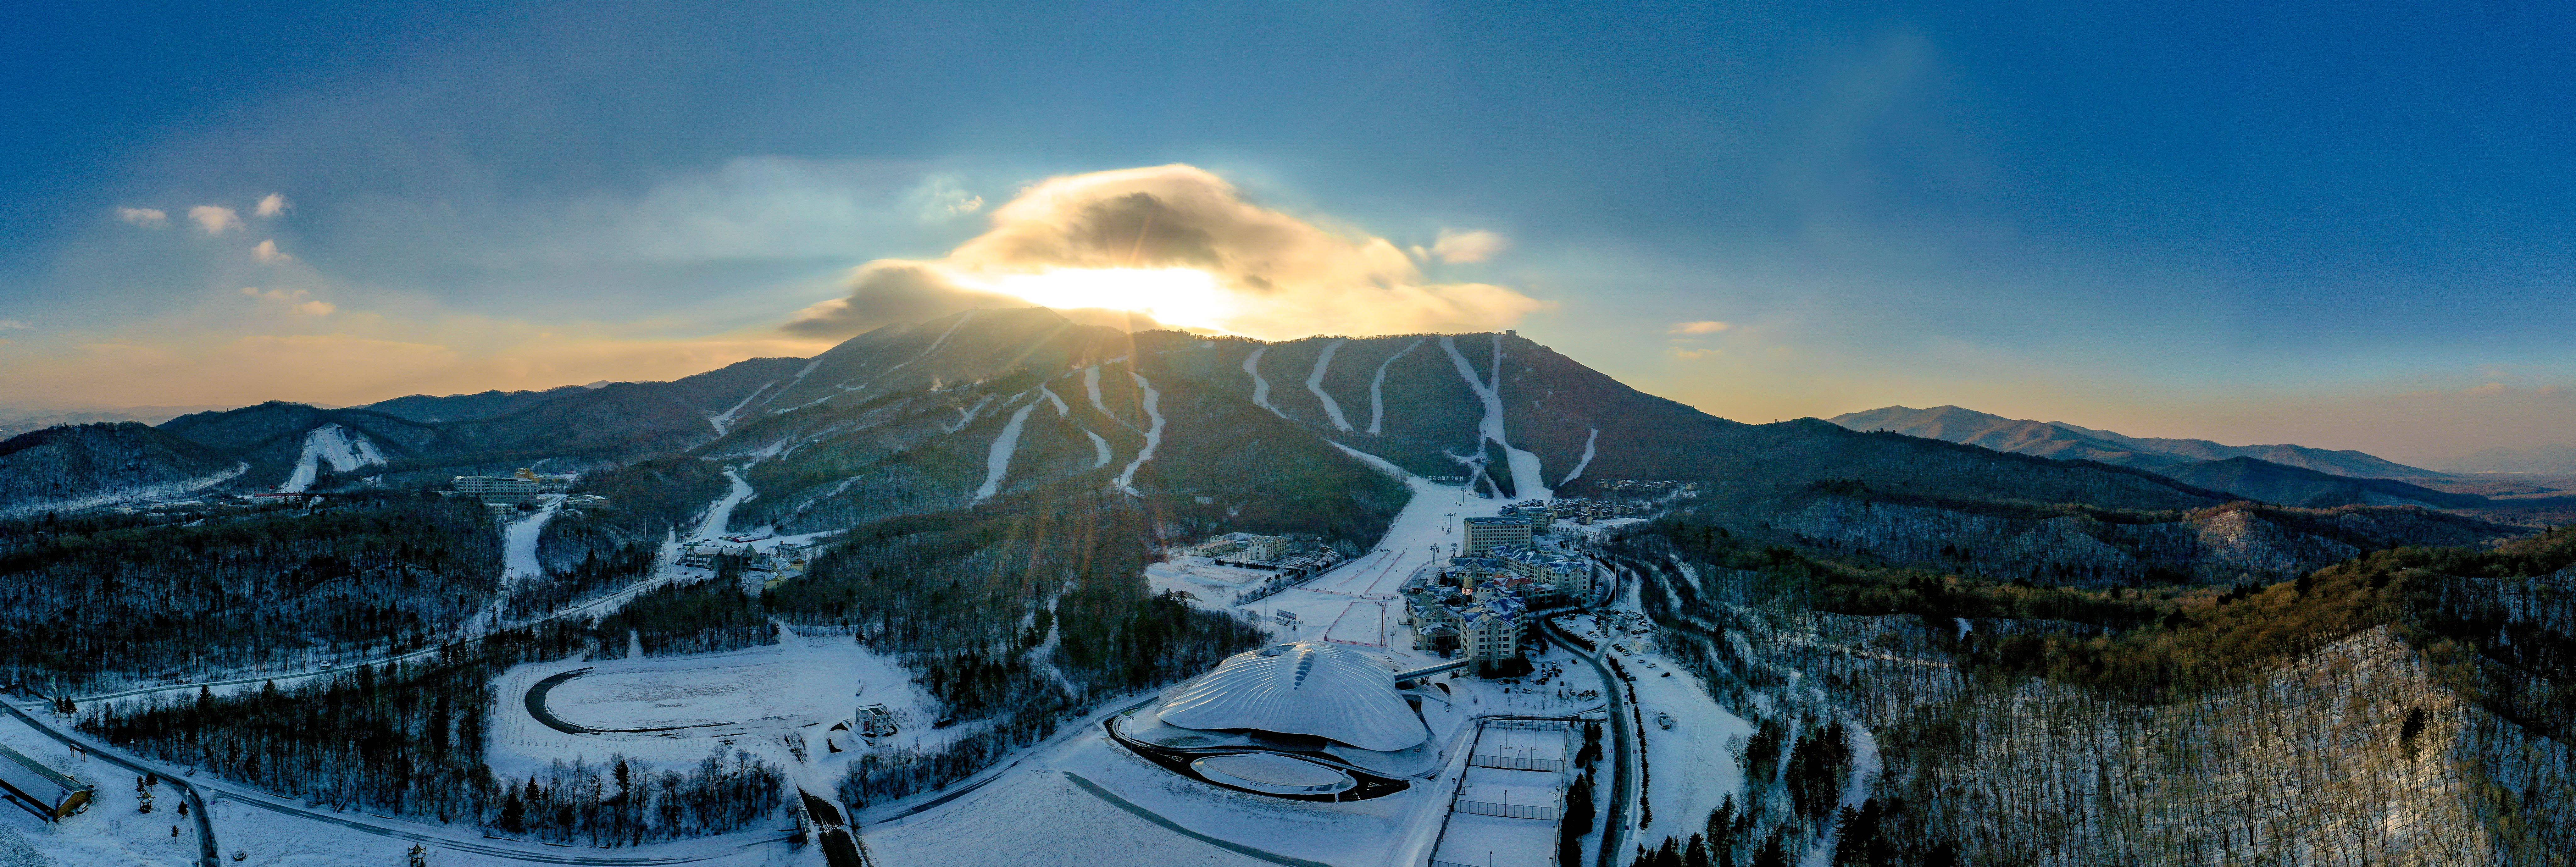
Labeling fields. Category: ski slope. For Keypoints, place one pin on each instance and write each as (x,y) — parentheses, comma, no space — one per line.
(342,448)
(1377,387)
(1527,484)
(1588,441)
(1153,434)
(1315,383)
(1260,386)
(997,461)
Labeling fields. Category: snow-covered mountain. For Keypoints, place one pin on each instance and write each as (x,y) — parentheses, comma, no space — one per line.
(73,467)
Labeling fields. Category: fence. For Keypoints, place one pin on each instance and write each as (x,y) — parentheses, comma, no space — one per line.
(1514,763)
(1517,763)
(1510,811)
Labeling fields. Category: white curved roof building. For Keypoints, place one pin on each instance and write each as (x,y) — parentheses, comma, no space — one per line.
(1306,688)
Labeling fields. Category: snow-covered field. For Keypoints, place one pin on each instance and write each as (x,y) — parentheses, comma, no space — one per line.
(1688,766)
(744,698)
(110,832)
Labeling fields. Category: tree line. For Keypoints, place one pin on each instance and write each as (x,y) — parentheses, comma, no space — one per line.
(96,603)
(408,739)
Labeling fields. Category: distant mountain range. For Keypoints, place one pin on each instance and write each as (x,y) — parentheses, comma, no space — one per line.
(2058,439)
(2287,474)
(2553,459)
(18,421)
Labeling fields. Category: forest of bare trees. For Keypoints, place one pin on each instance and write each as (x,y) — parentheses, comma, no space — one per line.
(88,604)
(2400,708)
(409,739)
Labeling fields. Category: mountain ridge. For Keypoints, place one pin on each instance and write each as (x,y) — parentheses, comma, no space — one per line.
(2060,439)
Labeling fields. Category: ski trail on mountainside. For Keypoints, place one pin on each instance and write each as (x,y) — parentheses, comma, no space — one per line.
(1588,440)
(1153,434)
(332,444)
(1377,388)
(1260,387)
(1315,383)
(1091,383)
(1526,483)
(1064,411)
(998,461)
(725,420)
(969,316)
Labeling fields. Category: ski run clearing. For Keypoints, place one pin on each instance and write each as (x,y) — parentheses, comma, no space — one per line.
(1153,433)
(1524,465)
(342,448)
(1315,383)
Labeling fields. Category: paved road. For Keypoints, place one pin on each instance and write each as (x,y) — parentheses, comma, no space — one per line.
(1614,835)
(196,805)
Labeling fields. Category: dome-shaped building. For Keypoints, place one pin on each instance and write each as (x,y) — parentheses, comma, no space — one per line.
(1333,708)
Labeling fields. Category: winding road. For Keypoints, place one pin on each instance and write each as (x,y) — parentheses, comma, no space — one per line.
(196,804)
(1623,739)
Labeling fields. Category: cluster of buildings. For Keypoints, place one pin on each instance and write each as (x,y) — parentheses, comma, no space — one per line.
(781,558)
(1537,516)
(1479,606)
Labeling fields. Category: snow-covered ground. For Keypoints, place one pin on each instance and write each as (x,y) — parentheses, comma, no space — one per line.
(111,831)
(519,548)
(745,698)
(721,514)
(1377,387)
(1315,383)
(1260,386)
(1153,431)
(997,461)
(1689,768)
(1526,477)
(1113,808)
(166,491)
(342,448)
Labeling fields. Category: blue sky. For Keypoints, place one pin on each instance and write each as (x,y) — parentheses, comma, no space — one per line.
(2344,224)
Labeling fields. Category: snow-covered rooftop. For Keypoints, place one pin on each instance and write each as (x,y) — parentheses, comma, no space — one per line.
(1307,688)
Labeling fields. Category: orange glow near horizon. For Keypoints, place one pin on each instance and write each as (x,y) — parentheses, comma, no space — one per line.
(1181,297)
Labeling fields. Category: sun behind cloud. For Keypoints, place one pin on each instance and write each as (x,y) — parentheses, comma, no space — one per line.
(1177,244)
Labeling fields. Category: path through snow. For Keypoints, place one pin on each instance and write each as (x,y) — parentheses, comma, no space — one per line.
(721,513)
(520,550)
